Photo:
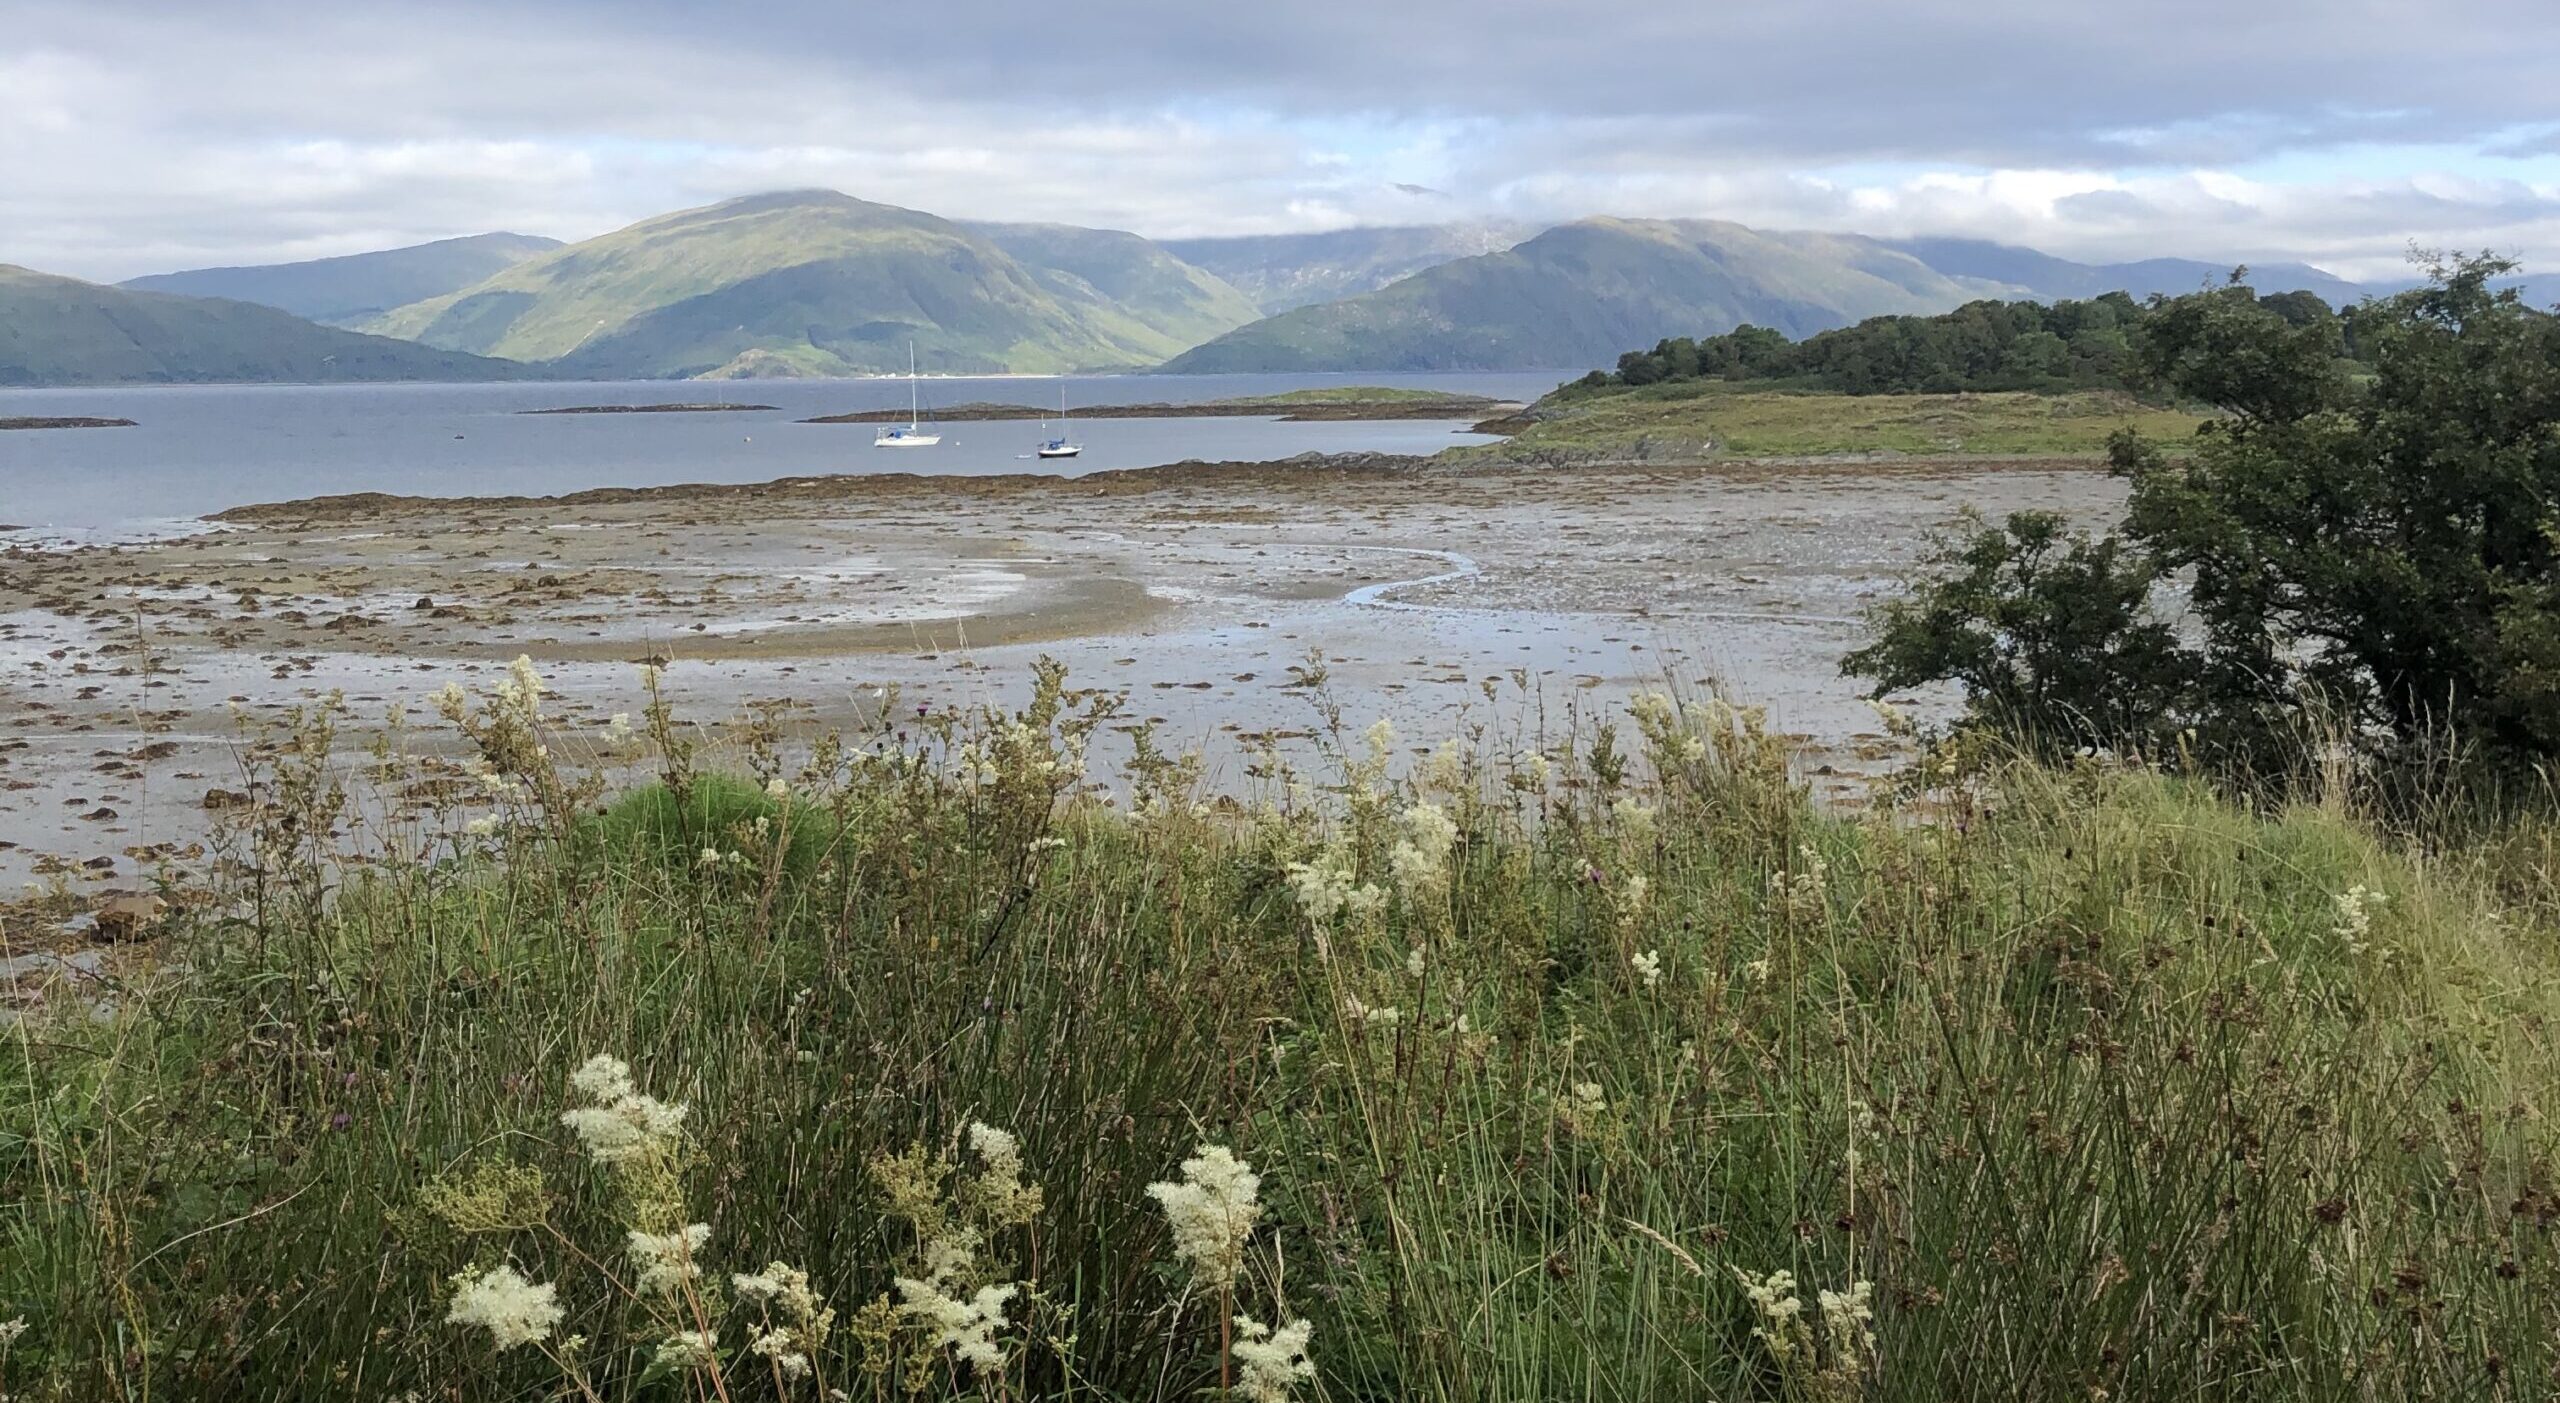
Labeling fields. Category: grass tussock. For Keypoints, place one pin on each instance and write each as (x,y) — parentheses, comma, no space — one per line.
(1617,1072)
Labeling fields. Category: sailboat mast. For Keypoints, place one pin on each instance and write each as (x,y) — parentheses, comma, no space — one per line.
(913,417)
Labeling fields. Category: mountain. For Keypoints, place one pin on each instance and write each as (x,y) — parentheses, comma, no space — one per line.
(346,291)
(62,331)
(1579,294)
(824,284)
(1283,271)
(1163,294)
(2045,278)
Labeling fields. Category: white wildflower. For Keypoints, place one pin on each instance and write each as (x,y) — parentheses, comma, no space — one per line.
(1325,889)
(1590,1097)
(1636,818)
(1212,1211)
(1421,860)
(667,1260)
(1000,1186)
(1531,770)
(622,1124)
(1781,1325)
(1648,967)
(451,702)
(1848,1323)
(2355,907)
(512,1309)
(1269,1361)
(776,790)
(783,1348)
(1368,1016)
(967,1327)
(10,1330)
(710,858)
(1381,739)
(686,1349)
(1756,970)
(617,728)
(1415,962)
(482,826)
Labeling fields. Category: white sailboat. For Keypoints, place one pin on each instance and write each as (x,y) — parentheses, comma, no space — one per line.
(913,435)
(1059,447)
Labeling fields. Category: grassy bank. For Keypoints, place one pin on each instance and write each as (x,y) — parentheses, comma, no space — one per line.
(2094,1085)
(1704,420)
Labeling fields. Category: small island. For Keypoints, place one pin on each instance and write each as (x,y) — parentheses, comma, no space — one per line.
(65,423)
(1350,402)
(654,409)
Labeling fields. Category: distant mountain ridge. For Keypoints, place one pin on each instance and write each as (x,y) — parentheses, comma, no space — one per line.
(821,283)
(347,290)
(1581,293)
(1285,271)
(62,331)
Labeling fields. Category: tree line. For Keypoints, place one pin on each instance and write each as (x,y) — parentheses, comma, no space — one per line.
(1981,346)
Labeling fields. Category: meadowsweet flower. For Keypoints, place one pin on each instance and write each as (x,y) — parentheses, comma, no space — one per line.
(783,1348)
(617,728)
(1422,858)
(1756,970)
(967,1327)
(2355,907)
(1000,1187)
(1636,818)
(686,1349)
(1848,1323)
(1212,1211)
(1415,962)
(667,1260)
(482,826)
(1368,1016)
(1325,888)
(10,1330)
(1589,1096)
(780,1285)
(1269,1361)
(1648,967)
(1773,1297)
(451,702)
(622,1124)
(513,1310)
(776,790)
(710,858)
(1531,770)
(1381,738)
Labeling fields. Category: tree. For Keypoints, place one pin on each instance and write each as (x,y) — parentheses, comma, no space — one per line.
(2383,547)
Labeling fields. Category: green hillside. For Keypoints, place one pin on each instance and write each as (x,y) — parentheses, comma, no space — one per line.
(1283,271)
(1117,273)
(818,281)
(358,287)
(61,331)
(1579,294)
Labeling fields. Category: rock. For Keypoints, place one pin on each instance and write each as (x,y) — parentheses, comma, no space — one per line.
(131,916)
(217,799)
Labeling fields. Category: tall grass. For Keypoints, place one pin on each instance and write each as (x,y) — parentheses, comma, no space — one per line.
(2110,1087)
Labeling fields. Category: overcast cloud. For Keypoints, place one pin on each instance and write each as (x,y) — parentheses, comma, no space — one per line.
(139,138)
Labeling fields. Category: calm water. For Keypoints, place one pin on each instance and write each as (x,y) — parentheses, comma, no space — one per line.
(200,449)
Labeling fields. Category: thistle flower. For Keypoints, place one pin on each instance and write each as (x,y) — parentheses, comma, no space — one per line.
(1212,1211)
(623,1124)
(666,1260)
(1269,1361)
(512,1309)
(966,1327)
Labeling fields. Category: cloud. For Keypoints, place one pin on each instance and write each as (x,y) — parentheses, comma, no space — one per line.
(137,137)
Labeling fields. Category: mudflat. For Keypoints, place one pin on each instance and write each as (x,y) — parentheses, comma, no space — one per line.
(1448,598)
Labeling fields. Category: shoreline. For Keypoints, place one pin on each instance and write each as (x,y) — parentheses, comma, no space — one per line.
(1456,407)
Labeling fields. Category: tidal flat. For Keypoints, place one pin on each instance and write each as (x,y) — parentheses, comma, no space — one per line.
(1453,600)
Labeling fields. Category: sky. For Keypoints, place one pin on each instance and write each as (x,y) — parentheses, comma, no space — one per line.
(147,137)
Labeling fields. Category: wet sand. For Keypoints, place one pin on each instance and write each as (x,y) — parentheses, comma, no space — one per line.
(1446,599)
